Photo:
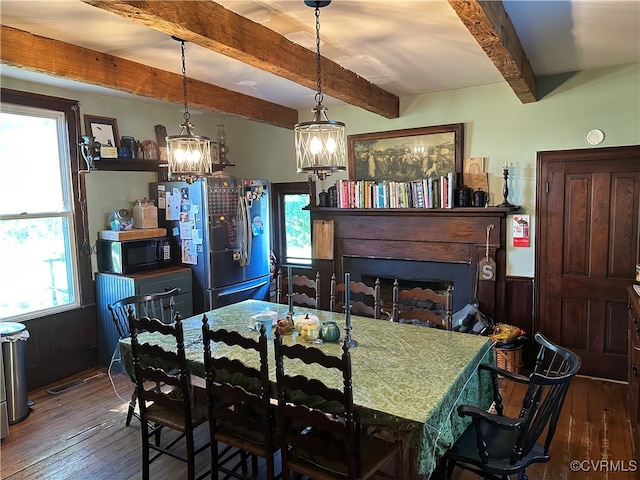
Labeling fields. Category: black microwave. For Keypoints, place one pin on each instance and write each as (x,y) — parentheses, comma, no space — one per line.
(133,256)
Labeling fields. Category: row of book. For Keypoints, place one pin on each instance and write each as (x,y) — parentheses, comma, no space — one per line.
(435,192)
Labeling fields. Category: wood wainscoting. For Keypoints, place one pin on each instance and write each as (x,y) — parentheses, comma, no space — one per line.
(519,312)
(60,345)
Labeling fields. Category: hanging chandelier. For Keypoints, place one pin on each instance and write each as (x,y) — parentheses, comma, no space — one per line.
(321,146)
(189,154)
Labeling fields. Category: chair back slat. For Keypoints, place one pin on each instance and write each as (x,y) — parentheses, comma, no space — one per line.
(365,299)
(153,305)
(422,306)
(306,292)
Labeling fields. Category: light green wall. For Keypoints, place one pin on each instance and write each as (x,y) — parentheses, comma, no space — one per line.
(497,126)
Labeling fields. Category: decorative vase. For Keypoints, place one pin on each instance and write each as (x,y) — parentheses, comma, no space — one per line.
(329,332)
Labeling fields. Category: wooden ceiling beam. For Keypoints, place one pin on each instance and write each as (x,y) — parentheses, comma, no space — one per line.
(210,25)
(39,54)
(492,28)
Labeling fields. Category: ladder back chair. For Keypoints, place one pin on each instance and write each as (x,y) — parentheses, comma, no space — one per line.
(422,306)
(167,394)
(239,401)
(306,292)
(319,442)
(365,299)
(153,305)
(495,446)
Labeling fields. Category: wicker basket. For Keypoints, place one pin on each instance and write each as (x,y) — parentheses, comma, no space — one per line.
(509,359)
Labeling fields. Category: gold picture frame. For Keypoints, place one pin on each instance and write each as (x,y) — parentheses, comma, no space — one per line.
(408,154)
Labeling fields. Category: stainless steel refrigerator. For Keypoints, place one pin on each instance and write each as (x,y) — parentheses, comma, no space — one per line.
(220,228)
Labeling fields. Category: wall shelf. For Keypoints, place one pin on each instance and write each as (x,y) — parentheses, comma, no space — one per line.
(127,164)
(461,211)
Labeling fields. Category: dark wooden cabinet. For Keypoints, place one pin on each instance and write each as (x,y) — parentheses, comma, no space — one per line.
(634,364)
(111,287)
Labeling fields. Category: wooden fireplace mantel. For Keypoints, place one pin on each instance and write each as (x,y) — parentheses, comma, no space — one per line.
(456,235)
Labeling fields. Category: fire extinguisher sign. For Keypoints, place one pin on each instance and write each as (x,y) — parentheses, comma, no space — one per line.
(521,230)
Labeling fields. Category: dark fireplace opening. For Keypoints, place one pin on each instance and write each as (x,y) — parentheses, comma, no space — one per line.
(434,275)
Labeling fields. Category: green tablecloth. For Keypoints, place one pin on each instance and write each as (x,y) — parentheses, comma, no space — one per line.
(406,379)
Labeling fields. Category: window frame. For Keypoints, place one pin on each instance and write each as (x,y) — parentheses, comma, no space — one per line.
(71,111)
(278,193)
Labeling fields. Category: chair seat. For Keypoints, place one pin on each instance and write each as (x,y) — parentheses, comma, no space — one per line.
(174,419)
(499,444)
(322,462)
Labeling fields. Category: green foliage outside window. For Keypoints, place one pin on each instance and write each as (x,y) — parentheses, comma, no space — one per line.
(297,228)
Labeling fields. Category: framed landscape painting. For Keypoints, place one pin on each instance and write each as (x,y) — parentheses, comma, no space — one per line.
(405,155)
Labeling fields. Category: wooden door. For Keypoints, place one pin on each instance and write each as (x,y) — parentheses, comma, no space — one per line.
(587,243)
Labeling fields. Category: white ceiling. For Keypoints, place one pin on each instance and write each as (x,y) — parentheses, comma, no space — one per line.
(407,47)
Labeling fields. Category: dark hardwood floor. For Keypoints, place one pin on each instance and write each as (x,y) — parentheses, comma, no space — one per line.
(80,434)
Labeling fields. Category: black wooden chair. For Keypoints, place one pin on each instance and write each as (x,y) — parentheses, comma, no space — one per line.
(494,446)
(167,395)
(320,437)
(153,305)
(306,292)
(422,306)
(365,298)
(239,403)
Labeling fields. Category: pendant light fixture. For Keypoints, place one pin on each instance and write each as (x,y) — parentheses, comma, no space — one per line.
(189,154)
(321,146)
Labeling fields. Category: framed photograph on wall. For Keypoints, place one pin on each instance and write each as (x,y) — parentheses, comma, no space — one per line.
(104,129)
(405,155)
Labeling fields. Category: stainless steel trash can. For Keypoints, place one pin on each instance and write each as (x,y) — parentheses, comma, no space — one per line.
(13,337)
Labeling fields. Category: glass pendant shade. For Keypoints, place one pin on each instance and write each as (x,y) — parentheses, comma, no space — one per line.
(189,154)
(321,145)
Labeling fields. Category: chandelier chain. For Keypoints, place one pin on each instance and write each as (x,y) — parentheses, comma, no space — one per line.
(319,95)
(184,82)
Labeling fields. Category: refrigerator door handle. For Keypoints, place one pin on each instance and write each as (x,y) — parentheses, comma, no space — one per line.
(243,213)
(251,287)
(249,237)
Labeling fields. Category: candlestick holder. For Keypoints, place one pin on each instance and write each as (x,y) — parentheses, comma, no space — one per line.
(290,312)
(347,336)
(290,292)
(505,188)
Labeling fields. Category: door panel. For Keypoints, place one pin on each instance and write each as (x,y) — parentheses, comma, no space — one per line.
(588,204)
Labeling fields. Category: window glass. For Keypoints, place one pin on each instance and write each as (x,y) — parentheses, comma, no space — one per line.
(37,230)
(297,228)
(31,134)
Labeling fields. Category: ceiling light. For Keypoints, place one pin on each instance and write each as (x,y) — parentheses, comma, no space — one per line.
(321,146)
(189,154)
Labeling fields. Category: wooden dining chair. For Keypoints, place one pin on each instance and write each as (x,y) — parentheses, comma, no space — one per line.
(167,394)
(365,299)
(153,305)
(239,401)
(319,435)
(306,292)
(422,306)
(496,446)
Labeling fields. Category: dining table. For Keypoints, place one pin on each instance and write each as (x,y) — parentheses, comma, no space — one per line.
(408,380)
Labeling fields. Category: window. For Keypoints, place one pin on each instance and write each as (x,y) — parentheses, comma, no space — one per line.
(292,223)
(39,254)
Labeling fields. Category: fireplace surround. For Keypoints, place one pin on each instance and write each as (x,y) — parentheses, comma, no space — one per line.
(421,245)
